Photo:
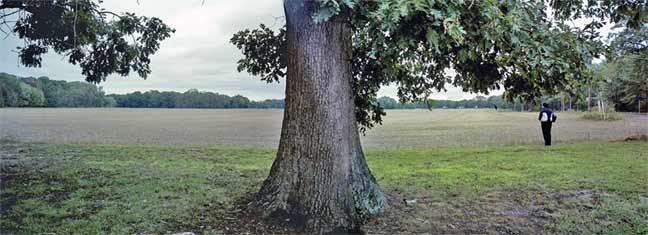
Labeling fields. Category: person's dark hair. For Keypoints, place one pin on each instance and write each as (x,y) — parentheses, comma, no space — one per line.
(546,105)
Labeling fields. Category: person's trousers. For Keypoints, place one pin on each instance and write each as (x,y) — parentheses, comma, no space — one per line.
(546,132)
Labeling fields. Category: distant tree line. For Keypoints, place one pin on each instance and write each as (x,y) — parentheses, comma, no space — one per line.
(43,92)
(477,102)
(562,101)
(190,99)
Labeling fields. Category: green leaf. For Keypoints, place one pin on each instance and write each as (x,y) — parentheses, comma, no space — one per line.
(456,31)
(437,14)
(433,38)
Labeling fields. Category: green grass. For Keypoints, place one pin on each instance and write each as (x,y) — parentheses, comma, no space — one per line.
(126,189)
(613,167)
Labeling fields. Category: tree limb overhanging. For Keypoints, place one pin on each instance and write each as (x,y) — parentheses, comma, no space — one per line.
(83,32)
(490,45)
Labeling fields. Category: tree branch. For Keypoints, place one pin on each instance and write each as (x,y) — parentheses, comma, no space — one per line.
(11,4)
(8,14)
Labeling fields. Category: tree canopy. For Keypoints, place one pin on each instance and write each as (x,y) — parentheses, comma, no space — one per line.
(99,41)
(622,76)
(414,44)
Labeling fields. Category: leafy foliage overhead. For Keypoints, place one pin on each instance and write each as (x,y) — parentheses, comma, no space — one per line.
(631,13)
(630,41)
(99,41)
(490,44)
(265,52)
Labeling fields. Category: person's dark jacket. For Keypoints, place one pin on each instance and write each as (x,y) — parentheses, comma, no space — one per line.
(550,114)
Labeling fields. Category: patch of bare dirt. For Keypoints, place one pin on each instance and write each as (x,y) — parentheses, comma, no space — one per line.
(243,218)
(498,212)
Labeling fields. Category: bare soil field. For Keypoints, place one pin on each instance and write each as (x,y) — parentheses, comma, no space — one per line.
(261,128)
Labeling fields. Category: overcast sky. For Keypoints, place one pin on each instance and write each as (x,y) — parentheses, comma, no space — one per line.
(198,55)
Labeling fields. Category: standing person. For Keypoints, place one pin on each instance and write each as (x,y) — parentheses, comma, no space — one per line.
(546,118)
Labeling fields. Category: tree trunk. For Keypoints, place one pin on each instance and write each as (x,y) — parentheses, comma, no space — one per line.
(646,98)
(589,98)
(319,180)
(562,101)
(522,106)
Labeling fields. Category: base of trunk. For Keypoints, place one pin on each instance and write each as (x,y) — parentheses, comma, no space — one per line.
(319,180)
(342,211)
(322,188)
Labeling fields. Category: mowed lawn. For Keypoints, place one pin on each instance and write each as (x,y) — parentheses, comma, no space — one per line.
(580,187)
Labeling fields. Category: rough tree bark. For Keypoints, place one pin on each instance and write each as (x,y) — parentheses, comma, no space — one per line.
(319,180)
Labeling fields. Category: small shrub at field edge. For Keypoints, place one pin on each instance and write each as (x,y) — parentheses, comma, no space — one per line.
(637,138)
(602,116)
